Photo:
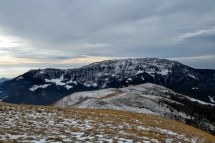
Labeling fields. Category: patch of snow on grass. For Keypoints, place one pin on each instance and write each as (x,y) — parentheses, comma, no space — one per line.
(24,123)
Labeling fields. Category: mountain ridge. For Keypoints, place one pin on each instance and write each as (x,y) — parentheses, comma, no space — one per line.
(45,86)
(149,99)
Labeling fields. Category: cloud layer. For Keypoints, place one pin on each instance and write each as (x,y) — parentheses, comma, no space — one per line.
(69,33)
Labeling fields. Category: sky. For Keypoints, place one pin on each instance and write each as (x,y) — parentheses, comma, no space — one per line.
(72,33)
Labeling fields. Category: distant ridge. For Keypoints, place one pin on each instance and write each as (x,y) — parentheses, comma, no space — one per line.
(3,79)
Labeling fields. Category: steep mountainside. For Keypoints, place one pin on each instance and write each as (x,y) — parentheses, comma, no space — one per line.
(45,86)
(149,99)
(22,123)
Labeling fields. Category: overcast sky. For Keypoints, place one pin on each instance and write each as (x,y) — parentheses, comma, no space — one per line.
(73,33)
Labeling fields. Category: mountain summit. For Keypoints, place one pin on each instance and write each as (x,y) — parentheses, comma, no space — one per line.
(45,86)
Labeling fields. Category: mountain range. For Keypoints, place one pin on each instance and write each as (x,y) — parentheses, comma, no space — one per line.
(46,86)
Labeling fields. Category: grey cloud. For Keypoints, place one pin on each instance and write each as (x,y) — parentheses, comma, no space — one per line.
(65,29)
(205,37)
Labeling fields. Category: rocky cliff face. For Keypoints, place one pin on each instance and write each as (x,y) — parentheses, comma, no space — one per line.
(45,86)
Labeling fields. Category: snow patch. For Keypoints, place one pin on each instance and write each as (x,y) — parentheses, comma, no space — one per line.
(129,79)
(90,85)
(19,78)
(192,76)
(164,72)
(139,72)
(151,73)
(35,87)
(195,88)
(211,98)
(71,81)
(3,98)
(201,102)
(95,84)
(104,85)
(42,72)
(57,81)
(68,87)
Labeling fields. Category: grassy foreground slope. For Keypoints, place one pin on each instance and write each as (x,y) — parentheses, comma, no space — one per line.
(22,123)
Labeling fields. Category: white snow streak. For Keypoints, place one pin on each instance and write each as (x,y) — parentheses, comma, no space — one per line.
(35,87)
(192,76)
(211,99)
(19,78)
(68,87)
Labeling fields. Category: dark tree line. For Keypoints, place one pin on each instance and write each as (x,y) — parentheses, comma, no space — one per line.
(196,111)
(194,108)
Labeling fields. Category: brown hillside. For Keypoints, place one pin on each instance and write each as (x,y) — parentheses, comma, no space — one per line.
(22,123)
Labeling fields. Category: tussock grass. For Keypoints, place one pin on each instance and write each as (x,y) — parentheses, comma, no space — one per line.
(53,124)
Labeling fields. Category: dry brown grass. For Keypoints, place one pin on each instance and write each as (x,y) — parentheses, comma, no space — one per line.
(111,124)
(58,139)
(109,95)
